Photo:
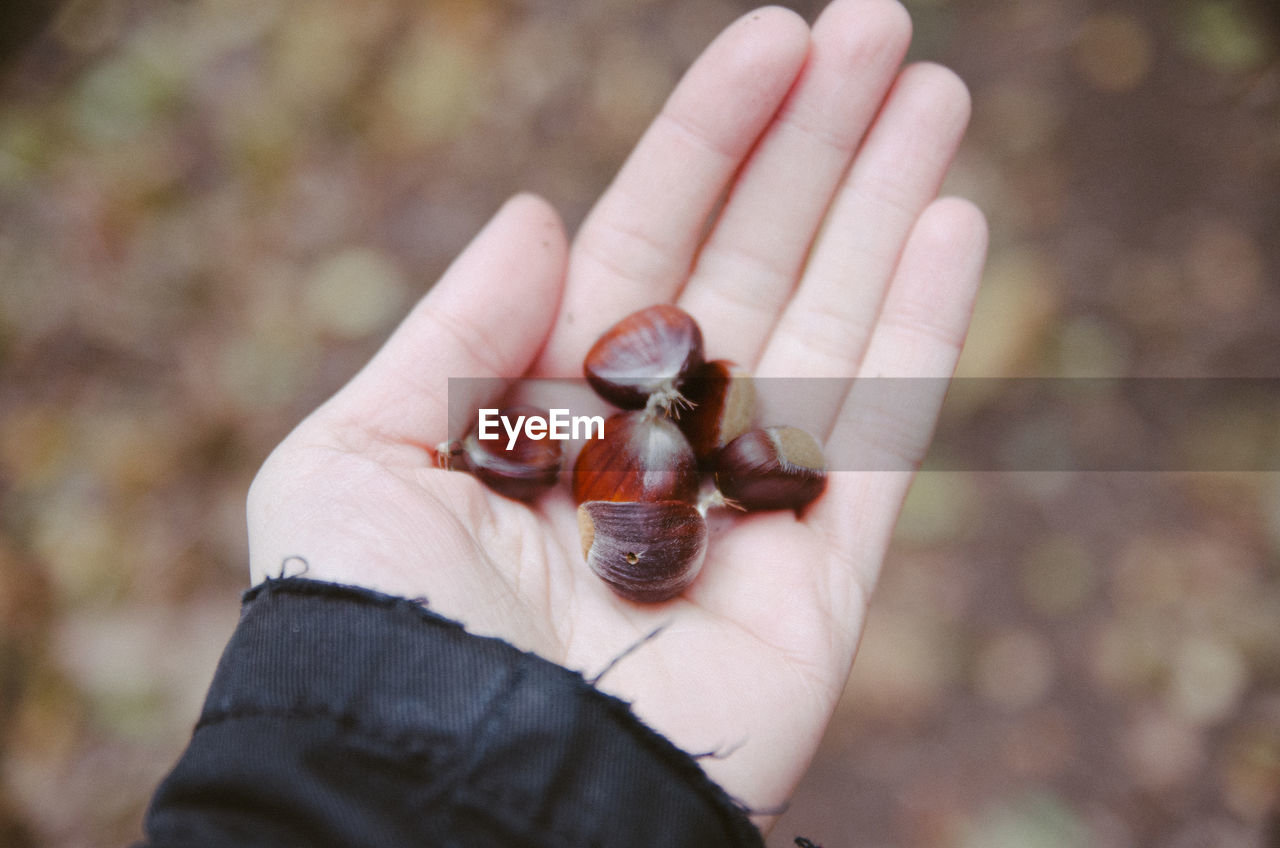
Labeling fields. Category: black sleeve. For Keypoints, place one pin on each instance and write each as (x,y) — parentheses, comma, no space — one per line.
(341,717)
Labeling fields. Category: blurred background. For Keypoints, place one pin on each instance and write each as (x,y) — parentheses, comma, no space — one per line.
(211,212)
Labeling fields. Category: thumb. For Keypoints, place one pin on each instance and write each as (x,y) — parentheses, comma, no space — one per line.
(487,317)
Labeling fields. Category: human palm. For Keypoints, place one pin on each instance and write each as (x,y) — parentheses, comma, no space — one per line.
(817,160)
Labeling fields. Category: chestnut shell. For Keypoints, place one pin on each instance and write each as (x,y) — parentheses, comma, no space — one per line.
(529,468)
(641,457)
(645,552)
(646,353)
(771,468)
(723,396)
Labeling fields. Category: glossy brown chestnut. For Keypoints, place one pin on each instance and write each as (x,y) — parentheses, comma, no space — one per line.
(529,468)
(642,456)
(771,468)
(723,396)
(646,552)
(645,355)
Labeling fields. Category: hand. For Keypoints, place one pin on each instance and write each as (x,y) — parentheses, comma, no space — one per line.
(829,257)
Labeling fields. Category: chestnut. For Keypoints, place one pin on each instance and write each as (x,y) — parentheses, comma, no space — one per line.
(523,472)
(642,456)
(723,398)
(771,468)
(644,358)
(640,513)
(646,552)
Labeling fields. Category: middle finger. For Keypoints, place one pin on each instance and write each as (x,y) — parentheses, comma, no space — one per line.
(753,257)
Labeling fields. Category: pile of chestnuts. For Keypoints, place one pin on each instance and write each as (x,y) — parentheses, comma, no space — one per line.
(683,442)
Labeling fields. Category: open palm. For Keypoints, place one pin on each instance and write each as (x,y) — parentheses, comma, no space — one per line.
(817,160)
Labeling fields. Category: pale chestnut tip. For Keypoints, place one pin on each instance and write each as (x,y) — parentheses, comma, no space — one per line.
(445,453)
(645,552)
(771,468)
(645,358)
